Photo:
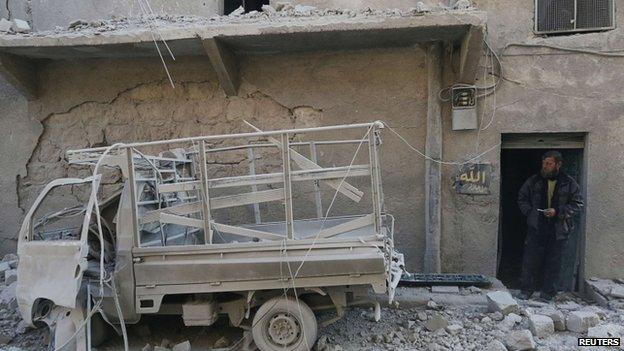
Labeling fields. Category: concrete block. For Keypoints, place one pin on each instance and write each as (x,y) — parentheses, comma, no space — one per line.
(501,301)
(519,340)
(495,345)
(510,321)
(5,25)
(454,329)
(183,346)
(436,322)
(581,321)
(557,317)
(541,326)
(617,291)
(445,289)
(20,26)
(11,259)
(10,276)
(4,266)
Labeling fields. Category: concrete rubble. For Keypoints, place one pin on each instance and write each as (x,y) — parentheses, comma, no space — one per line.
(519,340)
(606,292)
(5,25)
(462,321)
(20,26)
(501,301)
(280,11)
(541,326)
(581,321)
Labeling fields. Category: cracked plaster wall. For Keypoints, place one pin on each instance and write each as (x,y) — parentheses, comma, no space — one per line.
(136,103)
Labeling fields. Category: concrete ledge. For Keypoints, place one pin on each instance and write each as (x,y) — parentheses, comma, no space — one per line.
(224,39)
(283,35)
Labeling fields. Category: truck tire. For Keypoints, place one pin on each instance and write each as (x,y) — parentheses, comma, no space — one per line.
(284,324)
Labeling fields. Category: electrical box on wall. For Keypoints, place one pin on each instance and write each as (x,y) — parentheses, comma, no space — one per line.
(464,103)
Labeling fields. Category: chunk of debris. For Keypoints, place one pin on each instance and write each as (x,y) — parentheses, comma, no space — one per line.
(20,26)
(421,7)
(222,343)
(495,345)
(304,10)
(617,291)
(501,301)
(5,25)
(321,343)
(283,6)
(5,338)
(581,321)
(510,321)
(148,347)
(541,326)
(11,259)
(557,317)
(183,346)
(10,276)
(4,266)
(463,5)
(443,289)
(520,340)
(454,329)
(432,305)
(77,24)
(239,11)
(268,9)
(436,322)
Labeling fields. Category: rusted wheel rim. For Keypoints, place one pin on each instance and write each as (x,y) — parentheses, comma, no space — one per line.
(283,330)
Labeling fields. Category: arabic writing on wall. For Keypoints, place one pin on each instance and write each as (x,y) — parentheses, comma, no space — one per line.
(473,179)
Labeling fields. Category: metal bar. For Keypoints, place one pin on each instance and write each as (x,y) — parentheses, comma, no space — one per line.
(374,181)
(254,188)
(237,136)
(335,173)
(87,314)
(296,143)
(133,195)
(317,187)
(203,170)
(287,185)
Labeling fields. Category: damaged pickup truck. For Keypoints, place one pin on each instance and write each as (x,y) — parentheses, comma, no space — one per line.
(261,228)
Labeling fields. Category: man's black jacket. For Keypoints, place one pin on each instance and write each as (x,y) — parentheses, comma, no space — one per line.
(566,200)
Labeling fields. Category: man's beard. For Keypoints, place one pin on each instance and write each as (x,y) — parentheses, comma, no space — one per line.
(549,175)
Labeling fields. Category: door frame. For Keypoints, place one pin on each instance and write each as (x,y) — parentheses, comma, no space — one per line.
(553,140)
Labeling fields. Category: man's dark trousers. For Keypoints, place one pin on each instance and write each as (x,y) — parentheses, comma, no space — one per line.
(542,259)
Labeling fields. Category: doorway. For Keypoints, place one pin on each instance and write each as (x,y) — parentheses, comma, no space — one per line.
(521,158)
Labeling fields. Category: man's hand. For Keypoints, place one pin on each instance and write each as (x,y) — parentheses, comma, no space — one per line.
(550,212)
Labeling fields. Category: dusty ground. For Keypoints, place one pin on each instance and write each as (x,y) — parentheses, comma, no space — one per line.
(469,326)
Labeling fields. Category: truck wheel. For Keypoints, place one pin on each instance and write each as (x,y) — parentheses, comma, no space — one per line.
(284,324)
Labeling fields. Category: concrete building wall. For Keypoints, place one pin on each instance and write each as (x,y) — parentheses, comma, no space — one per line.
(18,136)
(543,90)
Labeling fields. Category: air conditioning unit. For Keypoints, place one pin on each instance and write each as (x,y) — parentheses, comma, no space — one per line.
(561,16)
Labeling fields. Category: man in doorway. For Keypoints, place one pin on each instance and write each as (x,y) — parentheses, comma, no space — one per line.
(549,200)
